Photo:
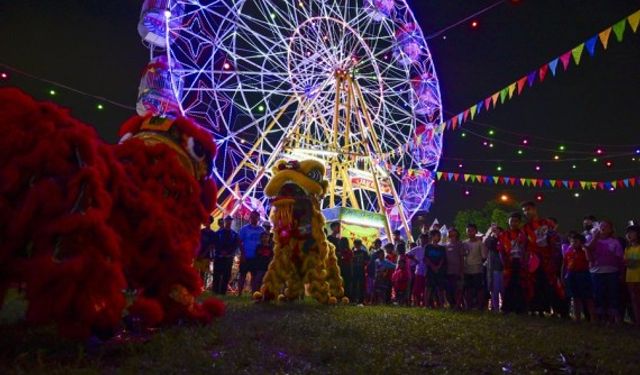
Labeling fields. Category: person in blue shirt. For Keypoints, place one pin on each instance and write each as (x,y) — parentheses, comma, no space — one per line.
(226,244)
(435,259)
(250,239)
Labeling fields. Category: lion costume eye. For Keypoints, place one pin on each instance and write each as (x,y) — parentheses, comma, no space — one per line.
(195,149)
(315,175)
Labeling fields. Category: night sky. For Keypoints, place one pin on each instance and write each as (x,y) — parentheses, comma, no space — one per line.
(94,46)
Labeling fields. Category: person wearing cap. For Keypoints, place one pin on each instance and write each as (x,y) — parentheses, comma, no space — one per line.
(226,245)
(250,239)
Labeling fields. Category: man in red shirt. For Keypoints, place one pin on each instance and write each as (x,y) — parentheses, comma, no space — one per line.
(512,246)
(542,243)
(576,276)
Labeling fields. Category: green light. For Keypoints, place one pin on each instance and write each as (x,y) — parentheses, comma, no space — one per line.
(561,148)
(52,92)
(273,16)
(520,152)
(491,132)
(261,108)
(100,107)
(499,168)
(595,160)
(463,135)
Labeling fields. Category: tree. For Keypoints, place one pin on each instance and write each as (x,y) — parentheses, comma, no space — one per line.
(492,212)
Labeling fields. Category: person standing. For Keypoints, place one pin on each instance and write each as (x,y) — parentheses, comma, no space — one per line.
(606,258)
(359,264)
(226,246)
(205,254)
(494,267)
(345,257)
(475,254)
(512,246)
(575,272)
(542,247)
(250,238)
(435,259)
(264,255)
(632,260)
(455,269)
(416,257)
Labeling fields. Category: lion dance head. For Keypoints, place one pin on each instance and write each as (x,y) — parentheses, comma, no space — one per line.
(302,254)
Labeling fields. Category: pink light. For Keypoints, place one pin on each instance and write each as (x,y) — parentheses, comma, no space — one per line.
(460,165)
(538,168)
(4,75)
(485,143)
(609,164)
(474,24)
(226,66)
(525,141)
(599,151)
(467,192)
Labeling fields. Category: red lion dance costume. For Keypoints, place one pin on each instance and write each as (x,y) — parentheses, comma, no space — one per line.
(81,221)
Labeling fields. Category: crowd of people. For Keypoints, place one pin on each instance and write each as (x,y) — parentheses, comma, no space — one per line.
(525,267)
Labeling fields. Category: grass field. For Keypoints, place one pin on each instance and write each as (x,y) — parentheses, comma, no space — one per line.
(309,338)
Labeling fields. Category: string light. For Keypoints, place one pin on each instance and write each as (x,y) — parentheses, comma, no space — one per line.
(499,168)
(520,152)
(460,165)
(539,197)
(574,166)
(492,132)
(556,157)
(525,141)
(599,151)
(595,160)
(467,192)
(609,163)
(561,148)
(474,24)
(261,108)
(504,197)
(463,134)
(577,195)
(52,92)
(226,66)
(4,75)
(538,168)
(100,107)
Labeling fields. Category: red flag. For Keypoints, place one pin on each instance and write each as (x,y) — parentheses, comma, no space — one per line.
(521,82)
(632,181)
(454,122)
(487,102)
(566,58)
(456,176)
(543,71)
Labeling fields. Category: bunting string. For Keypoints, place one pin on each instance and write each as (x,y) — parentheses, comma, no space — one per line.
(533,182)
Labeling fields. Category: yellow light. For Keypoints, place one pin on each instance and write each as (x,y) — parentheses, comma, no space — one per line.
(504,197)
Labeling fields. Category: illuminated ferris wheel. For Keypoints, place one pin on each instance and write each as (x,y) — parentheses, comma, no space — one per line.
(348,82)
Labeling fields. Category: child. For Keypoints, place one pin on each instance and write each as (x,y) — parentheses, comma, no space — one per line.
(264,254)
(400,281)
(384,269)
(632,259)
(371,276)
(435,258)
(575,269)
(358,264)
(416,256)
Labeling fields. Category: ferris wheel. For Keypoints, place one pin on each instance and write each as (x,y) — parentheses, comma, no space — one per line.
(350,83)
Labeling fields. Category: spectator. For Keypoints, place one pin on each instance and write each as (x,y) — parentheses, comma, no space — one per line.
(632,260)
(435,258)
(397,236)
(359,263)
(400,281)
(250,237)
(377,245)
(227,245)
(475,254)
(606,257)
(371,276)
(205,254)
(575,271)
(455,269)
(416,256)
(494,267)
(345,256)
(384,271)
(263,257)
(512,246)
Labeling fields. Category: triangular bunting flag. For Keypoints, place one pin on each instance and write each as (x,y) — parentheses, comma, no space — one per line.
(456,176)
(460,118)
(542,72)
(553,64)
(466,177)
(439,174)
(572,183)
(591,45)
(626,182)
(512,89)
(521,82)
(577,53)
(594,184)
(501,179)
(454,122)
(478,107)
(618,29)
(522,181)
(632,181)
(531,77)
(466,114)
(487,103)
(506,179)
(473,111)
(600,185)
(503,94)
(495,179)
(565,58)
(512,181)
(483,179)
(614,184)
(449,176)
(583,184)
(604,37)
(565,183)
(494,98)
(634,19)
(552,183)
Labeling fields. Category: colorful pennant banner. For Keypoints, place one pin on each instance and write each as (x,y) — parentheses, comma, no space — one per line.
(630,182)
(549,69)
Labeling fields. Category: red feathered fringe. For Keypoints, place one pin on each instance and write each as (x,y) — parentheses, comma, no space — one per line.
(81,221)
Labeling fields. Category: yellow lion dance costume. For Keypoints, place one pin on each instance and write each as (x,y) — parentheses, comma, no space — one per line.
(302,254)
